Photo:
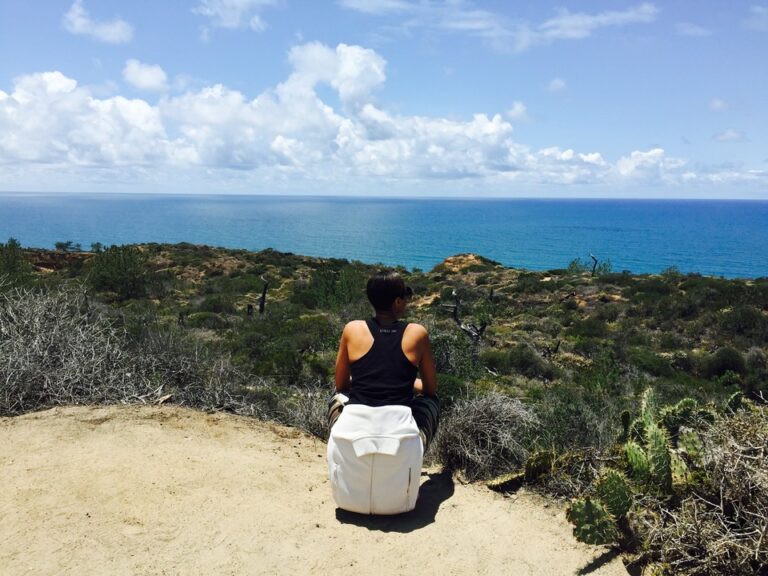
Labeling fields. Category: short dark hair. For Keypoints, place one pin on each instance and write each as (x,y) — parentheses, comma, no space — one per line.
(383,287)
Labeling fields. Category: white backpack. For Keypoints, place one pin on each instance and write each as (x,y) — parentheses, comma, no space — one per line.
(374,459)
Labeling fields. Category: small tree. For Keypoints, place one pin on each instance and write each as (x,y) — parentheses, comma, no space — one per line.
(120,269)
(13,264)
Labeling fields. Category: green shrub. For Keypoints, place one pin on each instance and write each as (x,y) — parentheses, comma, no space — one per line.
(524,360)
(121,270)
(592,327)
(452,352)
(13,264)
(217,304)
(209,320)
(496,360)
(572,417)
(650,362)
(745,320)
(451,388)
(723,360)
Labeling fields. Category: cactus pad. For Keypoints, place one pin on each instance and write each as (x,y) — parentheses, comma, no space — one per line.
(639,467)
(593,524)
(614,491)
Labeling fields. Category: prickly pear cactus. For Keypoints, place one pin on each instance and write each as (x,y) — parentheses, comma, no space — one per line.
(637,430)
(659,457)
(681,414)
(593,524)
(649,406)
(538,464)
(637,459)
(614,491)
(690,444)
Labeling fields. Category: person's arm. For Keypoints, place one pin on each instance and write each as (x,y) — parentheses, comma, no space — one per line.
(342,363)
(427,369)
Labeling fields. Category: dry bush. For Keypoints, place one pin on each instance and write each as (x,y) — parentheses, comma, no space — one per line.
(486,436)
(572,474)
(306,408)
(722,528)
(55,349)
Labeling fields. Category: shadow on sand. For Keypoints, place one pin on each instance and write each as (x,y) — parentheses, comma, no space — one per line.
(432,493)
(599,562)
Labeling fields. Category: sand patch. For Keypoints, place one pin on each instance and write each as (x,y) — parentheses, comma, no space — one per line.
(165,490)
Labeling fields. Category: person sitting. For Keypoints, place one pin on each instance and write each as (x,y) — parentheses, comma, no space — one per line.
(382,417)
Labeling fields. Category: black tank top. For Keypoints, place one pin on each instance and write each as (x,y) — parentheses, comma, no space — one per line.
(383,376)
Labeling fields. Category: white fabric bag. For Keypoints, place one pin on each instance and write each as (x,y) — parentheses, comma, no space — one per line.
(374,459)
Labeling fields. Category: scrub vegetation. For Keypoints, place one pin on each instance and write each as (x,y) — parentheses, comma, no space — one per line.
(642,398)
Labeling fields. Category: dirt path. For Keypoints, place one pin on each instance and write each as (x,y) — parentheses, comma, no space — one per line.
(164,490)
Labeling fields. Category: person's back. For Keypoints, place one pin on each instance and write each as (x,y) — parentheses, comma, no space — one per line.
(383,417)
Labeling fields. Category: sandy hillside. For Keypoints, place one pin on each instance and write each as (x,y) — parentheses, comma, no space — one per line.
(164,490)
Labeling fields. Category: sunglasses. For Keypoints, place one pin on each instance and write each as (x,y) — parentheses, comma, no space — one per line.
(407,293)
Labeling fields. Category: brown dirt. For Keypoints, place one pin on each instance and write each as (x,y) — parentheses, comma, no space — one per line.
(166,490)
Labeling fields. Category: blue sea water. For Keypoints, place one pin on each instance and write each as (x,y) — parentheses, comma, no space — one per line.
(723,238)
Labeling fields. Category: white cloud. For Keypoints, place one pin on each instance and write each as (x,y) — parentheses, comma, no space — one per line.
(570,26)
(78,21)
(461,17)
(145,76)
(78,129)
(233,13)
(378,7)
(757,19)
(689,29)
(353,71)
(557,85)
(653,167)
(518,111)
(51,125)
(730,135)
(717,104)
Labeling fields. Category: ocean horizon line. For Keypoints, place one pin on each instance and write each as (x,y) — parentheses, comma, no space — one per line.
(17,193)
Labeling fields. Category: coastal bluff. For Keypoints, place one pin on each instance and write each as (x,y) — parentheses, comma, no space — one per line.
(160,490)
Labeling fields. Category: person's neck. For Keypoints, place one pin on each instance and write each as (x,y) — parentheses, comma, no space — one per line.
(385,317)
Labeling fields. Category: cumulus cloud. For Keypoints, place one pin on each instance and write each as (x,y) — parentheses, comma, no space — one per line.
(78,21)
(145,76)
(757,19)
(289,132)
(78,128)
(355,72)
(461,17)
(233,13)
(730,135)
(557,85)
(689,29)
(518,111)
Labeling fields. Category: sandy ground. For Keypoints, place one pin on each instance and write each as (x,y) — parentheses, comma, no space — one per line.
(165,490)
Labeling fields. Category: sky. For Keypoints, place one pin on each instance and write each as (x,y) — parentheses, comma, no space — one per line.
(565,99)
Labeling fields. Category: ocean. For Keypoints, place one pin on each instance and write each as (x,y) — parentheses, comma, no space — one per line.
(711,237)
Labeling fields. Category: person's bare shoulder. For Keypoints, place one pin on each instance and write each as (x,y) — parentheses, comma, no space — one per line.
(355,327)
(416,331)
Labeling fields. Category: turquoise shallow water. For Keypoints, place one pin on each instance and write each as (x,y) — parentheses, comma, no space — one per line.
(727,238)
